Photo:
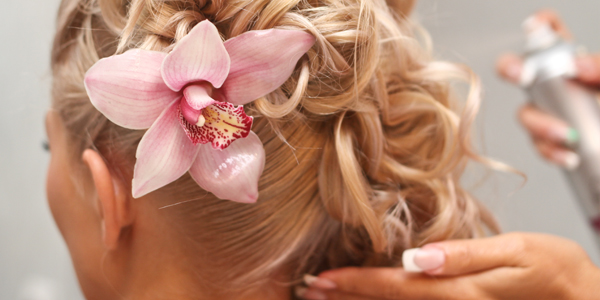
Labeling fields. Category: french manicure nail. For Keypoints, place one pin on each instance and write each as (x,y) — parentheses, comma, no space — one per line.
(570,160)
(408,260)
(318,282)
(423,259)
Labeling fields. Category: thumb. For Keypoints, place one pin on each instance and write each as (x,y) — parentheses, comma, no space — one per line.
(460,257)
(510,66)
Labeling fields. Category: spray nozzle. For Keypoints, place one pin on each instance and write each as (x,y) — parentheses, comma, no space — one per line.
(547,54)
(540,34)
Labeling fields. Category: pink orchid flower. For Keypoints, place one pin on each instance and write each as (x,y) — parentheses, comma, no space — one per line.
(187,99)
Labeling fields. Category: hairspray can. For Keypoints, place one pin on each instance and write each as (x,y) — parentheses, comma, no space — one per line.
(546,76)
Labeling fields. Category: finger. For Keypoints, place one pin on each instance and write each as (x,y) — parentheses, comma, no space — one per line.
(509,66)
(469,256)
(551,17)
(503,283)
(588,69)
(547,127)
(344,296)
(395,283)
(316,294)
(557,154)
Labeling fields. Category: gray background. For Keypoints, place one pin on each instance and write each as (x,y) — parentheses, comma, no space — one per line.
(34,262)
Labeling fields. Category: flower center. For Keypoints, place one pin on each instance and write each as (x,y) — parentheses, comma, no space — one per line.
(196,98)
(210,115)
(201,121)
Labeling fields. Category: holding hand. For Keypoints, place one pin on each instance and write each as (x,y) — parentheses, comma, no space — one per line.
(551,136)
(510,266)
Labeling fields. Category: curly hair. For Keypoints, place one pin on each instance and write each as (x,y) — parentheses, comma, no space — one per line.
(365,143)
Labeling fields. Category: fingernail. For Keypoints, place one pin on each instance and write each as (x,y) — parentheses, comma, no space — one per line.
(513,71)
(423,259)
(586,67)
(569,160)
(572,137)
(311,294)
(318,282)
(562,134)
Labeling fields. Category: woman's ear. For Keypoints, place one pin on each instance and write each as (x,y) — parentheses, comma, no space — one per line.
(113,206)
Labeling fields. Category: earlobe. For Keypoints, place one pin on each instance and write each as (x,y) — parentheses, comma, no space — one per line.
(113,202)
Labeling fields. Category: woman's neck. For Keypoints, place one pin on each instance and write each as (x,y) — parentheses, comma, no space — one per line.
(182,287)
(156,271)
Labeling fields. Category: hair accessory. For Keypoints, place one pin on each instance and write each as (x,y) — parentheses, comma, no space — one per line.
(188,99)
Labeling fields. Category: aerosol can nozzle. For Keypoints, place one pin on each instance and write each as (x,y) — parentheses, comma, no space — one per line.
(540,34)
(540,38)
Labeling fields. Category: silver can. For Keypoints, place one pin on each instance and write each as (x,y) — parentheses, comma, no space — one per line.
(547,74)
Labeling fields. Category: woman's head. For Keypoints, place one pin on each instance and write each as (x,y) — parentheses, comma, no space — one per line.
(364,150)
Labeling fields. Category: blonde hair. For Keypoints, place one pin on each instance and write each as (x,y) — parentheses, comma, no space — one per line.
(365,143)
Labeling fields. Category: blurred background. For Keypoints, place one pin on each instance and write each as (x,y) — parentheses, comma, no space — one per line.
(34,263)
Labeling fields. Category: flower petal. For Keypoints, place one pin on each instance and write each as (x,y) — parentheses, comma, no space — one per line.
(163,155)
(199,56)
(128,88)
(224,123)
(261,61)
(233,173)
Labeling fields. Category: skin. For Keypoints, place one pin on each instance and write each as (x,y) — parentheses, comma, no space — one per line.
(508,266)
(121,248)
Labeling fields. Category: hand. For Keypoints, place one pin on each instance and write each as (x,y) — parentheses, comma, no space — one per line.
(550,135)
(510,266)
